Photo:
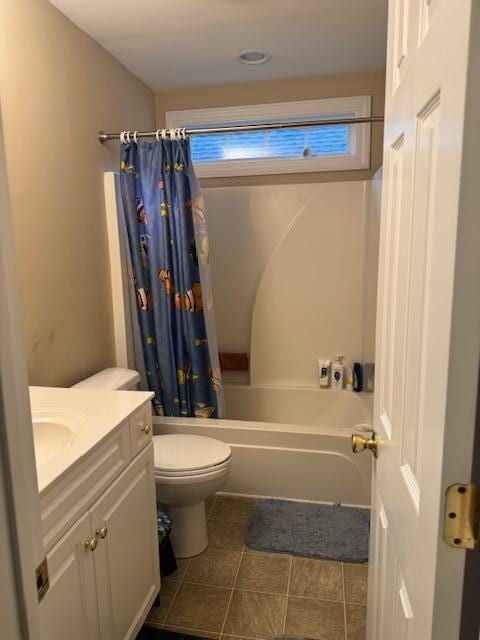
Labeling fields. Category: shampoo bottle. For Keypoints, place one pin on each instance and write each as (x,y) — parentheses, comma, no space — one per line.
(324,370)
(338,373)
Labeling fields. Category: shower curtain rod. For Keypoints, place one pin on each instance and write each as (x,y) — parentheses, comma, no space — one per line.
(104,137)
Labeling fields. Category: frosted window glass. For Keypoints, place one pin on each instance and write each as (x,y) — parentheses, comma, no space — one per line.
(271,143)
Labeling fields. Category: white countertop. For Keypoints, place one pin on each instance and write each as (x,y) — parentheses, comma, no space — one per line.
(90,415)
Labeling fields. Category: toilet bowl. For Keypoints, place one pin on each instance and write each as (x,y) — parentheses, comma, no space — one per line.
(188,470)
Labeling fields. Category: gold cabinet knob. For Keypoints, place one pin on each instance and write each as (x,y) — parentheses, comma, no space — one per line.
(102,532)
(146,428)
(360,443)
(91,544)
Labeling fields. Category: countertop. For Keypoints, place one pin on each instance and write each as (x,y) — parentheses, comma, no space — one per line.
(90,414)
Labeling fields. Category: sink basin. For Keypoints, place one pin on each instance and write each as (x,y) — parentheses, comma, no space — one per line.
(49,438)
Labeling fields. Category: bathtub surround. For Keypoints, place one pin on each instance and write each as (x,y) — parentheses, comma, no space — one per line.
(310,530)
(58,87)
(294,275)
(168,241)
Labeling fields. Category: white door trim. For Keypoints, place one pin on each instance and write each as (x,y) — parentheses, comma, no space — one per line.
(19,499)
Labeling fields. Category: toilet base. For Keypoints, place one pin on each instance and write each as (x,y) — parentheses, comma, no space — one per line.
(189,529)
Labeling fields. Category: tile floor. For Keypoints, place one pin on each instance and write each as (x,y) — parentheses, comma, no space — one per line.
(230,592)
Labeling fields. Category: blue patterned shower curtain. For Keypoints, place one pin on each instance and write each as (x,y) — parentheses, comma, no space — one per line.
(167,237)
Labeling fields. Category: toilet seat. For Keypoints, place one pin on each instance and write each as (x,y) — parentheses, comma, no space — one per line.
(161,473)
(185,455)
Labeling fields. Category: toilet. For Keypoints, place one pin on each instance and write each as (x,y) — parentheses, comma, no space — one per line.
(188,470)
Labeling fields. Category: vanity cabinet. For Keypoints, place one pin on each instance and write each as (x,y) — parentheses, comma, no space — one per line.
(104,571)
(126,558)
(69,608)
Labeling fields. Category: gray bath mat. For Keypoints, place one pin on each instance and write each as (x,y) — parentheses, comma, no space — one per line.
(311,530)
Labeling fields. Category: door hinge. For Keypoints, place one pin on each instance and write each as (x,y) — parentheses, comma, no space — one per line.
(41,574)
(462,516)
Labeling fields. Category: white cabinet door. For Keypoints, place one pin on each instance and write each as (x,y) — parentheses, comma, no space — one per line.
(69,608)
(126,559)
(428,338)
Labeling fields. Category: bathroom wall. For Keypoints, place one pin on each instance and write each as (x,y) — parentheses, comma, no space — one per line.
(294,275)
(58,87)
(310,88)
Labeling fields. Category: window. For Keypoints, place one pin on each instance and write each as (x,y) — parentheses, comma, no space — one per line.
(287,150)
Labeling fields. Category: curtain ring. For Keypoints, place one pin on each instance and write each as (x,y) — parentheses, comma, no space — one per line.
(135,137)
(127,133)
(179,134)
(164,134)
(121,138)
(172,134)
(157,135)
(184,133)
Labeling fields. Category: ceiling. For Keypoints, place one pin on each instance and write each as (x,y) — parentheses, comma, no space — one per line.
(179,43)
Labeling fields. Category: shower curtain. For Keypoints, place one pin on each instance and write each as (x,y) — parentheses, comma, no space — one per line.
(170,278)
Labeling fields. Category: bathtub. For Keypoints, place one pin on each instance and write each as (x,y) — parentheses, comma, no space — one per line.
(289,443)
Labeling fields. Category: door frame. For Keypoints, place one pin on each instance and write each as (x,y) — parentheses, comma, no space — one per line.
(470,619)
(463,414)
(22,547)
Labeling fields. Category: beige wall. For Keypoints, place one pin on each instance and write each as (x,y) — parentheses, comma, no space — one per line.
(58,87)
(312,88)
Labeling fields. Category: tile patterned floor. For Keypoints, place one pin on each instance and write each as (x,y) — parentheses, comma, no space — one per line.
(230,592)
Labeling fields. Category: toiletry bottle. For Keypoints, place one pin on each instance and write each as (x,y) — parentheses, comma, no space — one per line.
(338,373)
(324,370)
(348,378)
(357,377)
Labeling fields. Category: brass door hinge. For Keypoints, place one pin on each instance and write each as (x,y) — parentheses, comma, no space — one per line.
(41,574)
(462,516)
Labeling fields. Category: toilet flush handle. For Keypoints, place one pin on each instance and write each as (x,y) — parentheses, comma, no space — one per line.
(146,428)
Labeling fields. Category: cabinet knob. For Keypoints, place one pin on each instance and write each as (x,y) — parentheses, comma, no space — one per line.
(146,428)
(91,544)
(102,532)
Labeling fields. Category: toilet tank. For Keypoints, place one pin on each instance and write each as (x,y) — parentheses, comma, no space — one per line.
(113,378)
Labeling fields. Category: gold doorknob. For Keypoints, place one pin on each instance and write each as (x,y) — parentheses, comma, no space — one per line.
(91,544)
(102,532)
(146,428)
(360,443)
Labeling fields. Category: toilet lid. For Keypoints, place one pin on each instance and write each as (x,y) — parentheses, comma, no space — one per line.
(185,452)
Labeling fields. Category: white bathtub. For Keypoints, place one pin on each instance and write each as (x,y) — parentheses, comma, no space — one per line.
(289,443)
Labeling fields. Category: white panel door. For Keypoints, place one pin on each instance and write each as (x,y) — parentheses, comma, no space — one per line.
(127,566)
(428,316)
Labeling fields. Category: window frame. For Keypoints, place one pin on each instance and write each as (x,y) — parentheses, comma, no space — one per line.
(354,106)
